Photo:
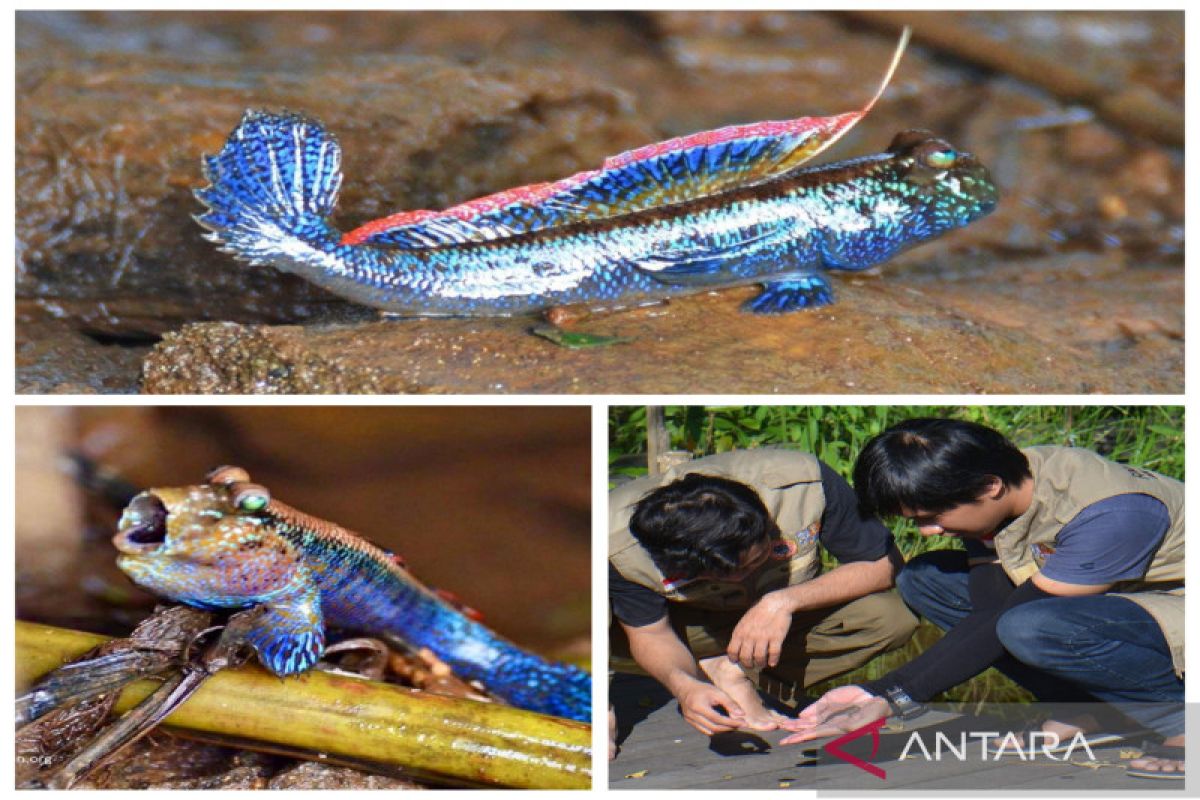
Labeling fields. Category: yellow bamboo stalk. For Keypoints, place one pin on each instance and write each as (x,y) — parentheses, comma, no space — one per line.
(464,740)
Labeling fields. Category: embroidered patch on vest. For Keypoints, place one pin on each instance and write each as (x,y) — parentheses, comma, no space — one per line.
(672,583)
(806,537)
(1040,551)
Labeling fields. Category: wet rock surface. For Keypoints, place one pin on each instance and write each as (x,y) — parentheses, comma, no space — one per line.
(435,108)
(57,356)
(880,338)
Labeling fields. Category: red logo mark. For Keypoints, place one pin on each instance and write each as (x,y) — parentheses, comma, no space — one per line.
(834,748)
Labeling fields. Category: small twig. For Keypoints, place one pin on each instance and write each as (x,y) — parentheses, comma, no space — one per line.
(155,708)
(128,729)
(152,648)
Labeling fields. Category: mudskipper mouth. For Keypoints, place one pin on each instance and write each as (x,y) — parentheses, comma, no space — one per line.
(143,526)
(981,188)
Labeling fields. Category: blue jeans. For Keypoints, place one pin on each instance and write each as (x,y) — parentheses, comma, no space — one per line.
(1064,649)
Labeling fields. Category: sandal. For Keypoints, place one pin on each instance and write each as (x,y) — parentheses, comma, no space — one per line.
(1159,750)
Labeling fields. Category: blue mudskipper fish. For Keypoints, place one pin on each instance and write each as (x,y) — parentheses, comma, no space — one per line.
(720,208)
(227,544)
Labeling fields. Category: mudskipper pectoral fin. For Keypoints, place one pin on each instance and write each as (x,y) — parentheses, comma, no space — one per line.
(712,264)
(288,634)
(791,293)
(703,270)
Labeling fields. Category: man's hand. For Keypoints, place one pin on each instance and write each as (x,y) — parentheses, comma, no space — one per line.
(758,637)
(698,701)
(838,711)
(659,651)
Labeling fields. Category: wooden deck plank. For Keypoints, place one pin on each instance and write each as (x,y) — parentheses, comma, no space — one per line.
(664,752)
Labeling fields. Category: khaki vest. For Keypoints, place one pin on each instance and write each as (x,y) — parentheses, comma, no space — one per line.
(1068,479)
(789,484)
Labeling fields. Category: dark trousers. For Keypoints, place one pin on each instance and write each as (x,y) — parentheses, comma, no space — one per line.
(821,644)
(1065,649)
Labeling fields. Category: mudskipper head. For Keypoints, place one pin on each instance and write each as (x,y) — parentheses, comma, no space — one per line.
(947,187)
(209,545)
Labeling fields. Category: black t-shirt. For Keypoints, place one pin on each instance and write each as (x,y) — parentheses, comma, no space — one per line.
(845,533)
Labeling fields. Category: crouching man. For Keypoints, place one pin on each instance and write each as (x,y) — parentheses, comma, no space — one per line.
(716,585)
(1071,582)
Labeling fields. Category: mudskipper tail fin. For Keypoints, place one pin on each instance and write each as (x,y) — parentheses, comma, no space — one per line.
(272,188)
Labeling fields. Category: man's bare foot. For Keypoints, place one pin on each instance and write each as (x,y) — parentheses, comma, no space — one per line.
(1158,763)
(1065,731)
(729,678)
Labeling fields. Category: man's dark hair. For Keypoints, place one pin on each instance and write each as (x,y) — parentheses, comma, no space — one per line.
(934,465)
(700,524)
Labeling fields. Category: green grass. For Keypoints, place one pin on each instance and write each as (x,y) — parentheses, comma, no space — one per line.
(1143,436)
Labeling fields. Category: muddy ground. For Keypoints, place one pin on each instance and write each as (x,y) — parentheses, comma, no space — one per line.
(1074,285)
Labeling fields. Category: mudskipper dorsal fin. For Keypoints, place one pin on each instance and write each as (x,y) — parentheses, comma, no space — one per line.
(656,175)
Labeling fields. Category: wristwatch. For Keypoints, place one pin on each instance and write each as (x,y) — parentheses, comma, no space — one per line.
(903,706)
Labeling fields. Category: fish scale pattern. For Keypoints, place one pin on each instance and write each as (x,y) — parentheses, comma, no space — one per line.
(361,588)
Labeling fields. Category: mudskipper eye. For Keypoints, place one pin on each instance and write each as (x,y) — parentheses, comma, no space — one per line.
(253,503)
(251,497)
(941,159)
(225,475)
